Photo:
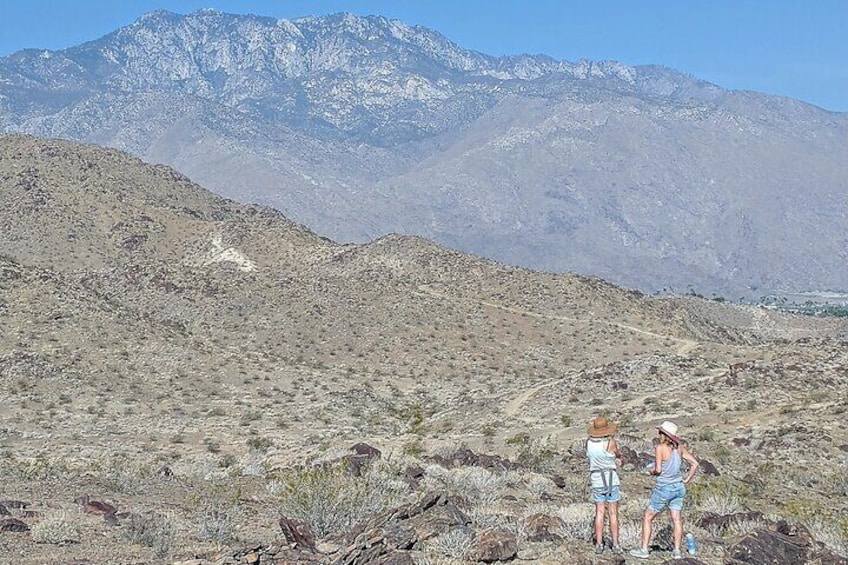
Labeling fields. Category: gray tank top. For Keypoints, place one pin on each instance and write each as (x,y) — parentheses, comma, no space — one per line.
(671,470)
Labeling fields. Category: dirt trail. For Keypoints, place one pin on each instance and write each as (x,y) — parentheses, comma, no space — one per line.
(514,406)
(685,346)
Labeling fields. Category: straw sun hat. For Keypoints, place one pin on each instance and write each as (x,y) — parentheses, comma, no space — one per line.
(601,427)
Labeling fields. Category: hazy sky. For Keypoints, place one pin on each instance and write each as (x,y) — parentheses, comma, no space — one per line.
(796,48)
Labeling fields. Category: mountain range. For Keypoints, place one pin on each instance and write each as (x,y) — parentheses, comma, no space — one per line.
(358,127)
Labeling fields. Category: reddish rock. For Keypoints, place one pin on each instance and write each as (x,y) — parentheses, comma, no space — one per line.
(630,457)
(496,544)
(95,506)
(366,450)
(765,547)
(361,455)
(12,525)
(707,468)
(541,527)
(297,533)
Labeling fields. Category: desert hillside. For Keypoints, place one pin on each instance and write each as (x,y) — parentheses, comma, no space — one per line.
(201,369)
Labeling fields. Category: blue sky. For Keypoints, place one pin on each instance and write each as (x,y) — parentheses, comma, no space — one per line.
(796,48)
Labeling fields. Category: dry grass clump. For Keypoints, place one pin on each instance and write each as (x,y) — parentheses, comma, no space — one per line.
(831,533)
(123,475)
(55,529)
(331,500)
(737,528)
(721,503)
(576,521)
(217,522)
(497,516)
(155,531)
(475,483)
(719,495)
(456,543)
(629,533)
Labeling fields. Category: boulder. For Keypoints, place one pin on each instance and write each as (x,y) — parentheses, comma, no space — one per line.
(361,455)
(496,544)
(298,534)
(541,527)
(766,547)
(12,525)
(707,468)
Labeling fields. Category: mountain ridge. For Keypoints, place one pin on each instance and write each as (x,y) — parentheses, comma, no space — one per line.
(361,126)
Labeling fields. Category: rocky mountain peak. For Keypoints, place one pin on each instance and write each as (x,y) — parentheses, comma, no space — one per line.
(358,126)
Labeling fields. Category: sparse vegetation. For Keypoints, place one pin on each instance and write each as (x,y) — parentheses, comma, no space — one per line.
(330,500)
(56,529)
(154,383)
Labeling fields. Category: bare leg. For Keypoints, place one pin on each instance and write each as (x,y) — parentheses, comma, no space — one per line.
(646,527)
(613,519)
(600,509)
(677,524)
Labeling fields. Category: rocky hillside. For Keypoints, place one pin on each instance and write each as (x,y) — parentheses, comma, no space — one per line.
(182,378)
(359,127)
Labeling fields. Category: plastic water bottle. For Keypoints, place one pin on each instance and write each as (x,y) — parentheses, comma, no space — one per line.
(690,544)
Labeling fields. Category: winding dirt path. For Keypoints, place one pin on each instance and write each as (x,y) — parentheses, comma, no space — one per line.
(685,345)
(513,407)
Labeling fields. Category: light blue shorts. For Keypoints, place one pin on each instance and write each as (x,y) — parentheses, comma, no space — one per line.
(601,494)
(667,495)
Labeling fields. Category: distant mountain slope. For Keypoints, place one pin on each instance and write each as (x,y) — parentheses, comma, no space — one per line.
(362,126)
(94,237)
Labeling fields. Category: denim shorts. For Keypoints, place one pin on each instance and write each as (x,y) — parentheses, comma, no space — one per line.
(667,495)
(601,494)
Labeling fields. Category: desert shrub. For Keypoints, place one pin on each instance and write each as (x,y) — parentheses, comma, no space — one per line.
(121,474)
(260,444)
(496,516)
(217,521)
(577,521)
(253,465)
(802,509)
(720,495)
(38,468)
(155,531)
(475,483)
(456,543)
(832,533)
(55,529)
(330,500)
(721,503)
(737,528)
(539,485)
(536,454)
